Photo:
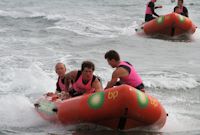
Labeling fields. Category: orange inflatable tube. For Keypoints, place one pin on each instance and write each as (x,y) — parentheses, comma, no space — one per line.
(172,24)
(122,107)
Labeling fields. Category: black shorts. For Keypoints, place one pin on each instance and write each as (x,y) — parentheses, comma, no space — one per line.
(148,17)
(140,87)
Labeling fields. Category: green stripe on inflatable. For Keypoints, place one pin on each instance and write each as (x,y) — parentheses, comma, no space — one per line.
(160,19)
(142,99)
(181,18)
(96,100)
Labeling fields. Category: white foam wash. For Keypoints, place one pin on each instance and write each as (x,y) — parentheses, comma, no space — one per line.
(34,35)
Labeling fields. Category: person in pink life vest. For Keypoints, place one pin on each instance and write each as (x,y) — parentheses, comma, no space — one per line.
(83,81)
(180,9)
(150,10)
(60,69)
(124,72)
(60,92)
(177,10)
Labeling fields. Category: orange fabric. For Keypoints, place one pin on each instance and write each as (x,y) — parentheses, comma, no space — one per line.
(108,107)
(170,25)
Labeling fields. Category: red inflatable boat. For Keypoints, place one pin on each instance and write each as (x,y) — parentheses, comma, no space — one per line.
(122,107)
(168,25)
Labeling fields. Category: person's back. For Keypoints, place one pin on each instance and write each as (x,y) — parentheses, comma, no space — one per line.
(132,78)
(124,71)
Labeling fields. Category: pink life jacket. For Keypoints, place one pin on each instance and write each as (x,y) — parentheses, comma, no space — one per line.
(133,78)
(148,9)
(79,86)
(61,85)
(181,9)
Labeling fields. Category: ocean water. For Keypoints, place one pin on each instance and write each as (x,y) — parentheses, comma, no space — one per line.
(35,35)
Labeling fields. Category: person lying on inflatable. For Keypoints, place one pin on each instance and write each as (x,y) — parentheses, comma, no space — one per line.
(76,82)
(83,81)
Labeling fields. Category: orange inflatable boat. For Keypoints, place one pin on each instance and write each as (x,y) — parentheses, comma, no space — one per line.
(122,107)
(168,25)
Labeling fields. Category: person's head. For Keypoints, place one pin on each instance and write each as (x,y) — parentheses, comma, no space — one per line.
(87,69)
(112,58)
(180,3)
(177,10)
(153,0)
(60,69)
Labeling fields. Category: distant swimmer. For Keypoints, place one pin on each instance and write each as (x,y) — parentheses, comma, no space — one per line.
(180,9)
(150,10)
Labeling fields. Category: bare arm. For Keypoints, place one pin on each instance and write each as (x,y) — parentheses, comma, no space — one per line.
(158,7)
(70,77)
(119,72)
(97,85)
(152,6)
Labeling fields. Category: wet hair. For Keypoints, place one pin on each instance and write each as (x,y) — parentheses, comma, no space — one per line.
(87,64)
(112,54)
(60,63)
(181,1)
(175,8)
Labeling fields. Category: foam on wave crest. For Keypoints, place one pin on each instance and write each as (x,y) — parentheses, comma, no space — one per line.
(170,80)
